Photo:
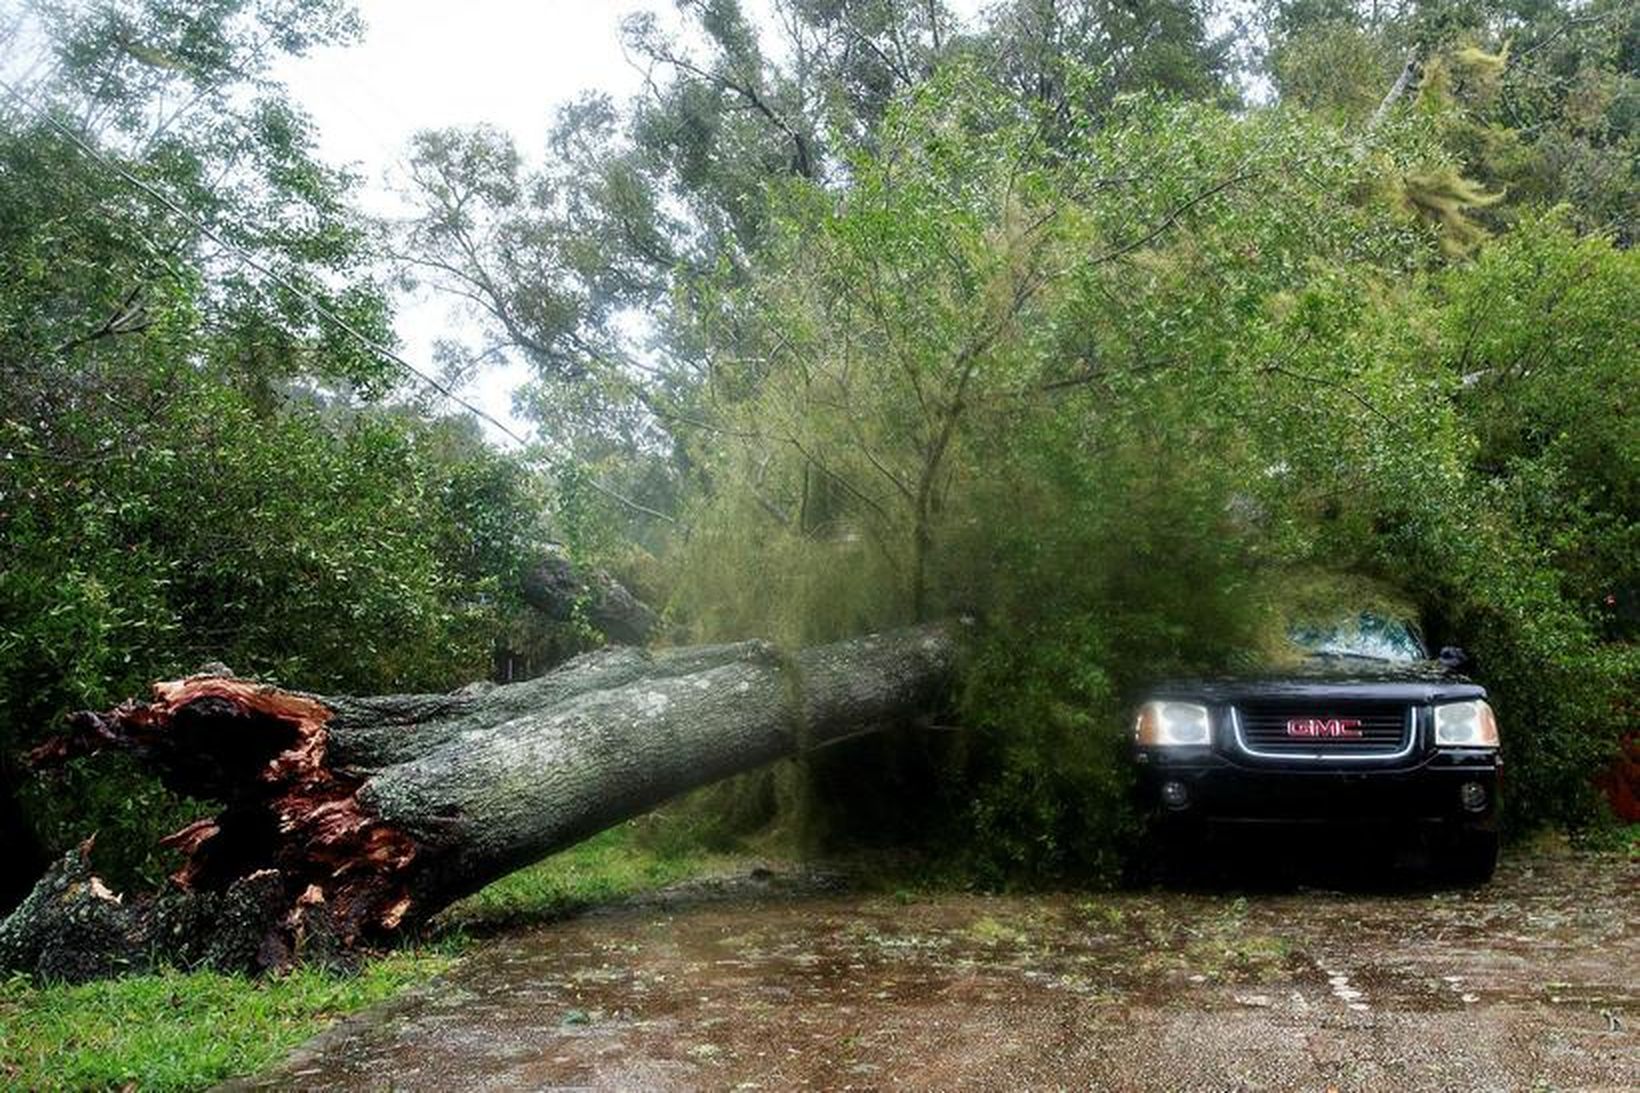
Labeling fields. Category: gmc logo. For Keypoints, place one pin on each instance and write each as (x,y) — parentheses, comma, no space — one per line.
(1329,727)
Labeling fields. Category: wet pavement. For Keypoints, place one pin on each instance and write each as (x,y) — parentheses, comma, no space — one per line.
(1532,982)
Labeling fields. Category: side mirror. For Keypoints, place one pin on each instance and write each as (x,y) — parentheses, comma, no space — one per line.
(1453,657)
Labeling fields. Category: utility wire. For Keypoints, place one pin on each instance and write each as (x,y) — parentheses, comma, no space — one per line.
(319,308)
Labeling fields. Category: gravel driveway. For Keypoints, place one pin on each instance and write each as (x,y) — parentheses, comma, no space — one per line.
(1529,983)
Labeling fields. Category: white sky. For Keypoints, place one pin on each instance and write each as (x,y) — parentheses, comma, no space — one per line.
(432,63)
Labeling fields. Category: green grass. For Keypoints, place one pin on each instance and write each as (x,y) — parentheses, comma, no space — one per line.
(181,1030)
(606,867)
(188,1030)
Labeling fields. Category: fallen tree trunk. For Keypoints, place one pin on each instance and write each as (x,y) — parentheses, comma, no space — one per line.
(347,819)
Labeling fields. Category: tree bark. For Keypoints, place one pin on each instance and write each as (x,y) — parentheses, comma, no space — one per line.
(557,587)
(1406,82)
(347,819)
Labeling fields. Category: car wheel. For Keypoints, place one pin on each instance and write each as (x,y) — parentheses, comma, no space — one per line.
(1471,857)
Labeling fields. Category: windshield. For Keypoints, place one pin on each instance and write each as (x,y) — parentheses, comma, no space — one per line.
(1379,637)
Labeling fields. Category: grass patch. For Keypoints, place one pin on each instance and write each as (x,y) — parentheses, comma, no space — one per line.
(1616,837)
(613,864)
(181,1030)
(988,930)
(188,1030)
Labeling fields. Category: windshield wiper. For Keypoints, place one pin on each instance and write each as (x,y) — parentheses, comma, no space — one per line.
(1357,656)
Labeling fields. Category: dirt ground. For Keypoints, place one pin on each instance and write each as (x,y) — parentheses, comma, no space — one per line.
(1529,983)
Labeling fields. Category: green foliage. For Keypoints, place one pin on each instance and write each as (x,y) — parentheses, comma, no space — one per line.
(651,209)
(181,1030)
(1445,198)
(1492,475)
(1096,575)
(192,470)
(1536,101)
(1542,573)
(364,556)
(1334,67)
(1184,392)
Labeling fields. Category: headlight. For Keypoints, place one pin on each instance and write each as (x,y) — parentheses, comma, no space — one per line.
(1465,725)
(1172,724)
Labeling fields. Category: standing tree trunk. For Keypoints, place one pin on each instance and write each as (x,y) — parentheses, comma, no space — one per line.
(347,819)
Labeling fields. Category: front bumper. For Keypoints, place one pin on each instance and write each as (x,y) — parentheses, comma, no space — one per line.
(1216,788)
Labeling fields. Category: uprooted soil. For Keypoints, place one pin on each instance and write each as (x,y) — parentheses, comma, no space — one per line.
(1531,982)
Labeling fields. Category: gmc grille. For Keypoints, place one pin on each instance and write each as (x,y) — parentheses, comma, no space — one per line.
(1324,729)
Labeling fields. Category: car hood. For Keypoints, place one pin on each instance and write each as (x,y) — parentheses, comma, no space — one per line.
(1331,677)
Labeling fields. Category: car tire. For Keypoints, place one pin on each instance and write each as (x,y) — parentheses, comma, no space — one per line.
(1471,857)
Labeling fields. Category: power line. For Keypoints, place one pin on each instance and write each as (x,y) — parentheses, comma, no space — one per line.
(319,308)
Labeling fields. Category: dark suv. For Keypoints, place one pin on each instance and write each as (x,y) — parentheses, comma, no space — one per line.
(1364,728)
